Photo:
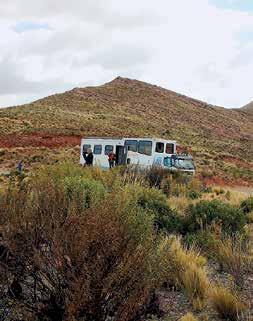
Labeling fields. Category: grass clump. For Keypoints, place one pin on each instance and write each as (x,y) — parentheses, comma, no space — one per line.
(195,284)
(232,254)
(227,304)
(188,272)
(188,317)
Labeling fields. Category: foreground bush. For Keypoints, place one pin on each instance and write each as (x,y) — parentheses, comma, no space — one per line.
(227,304)
(206,213)
(64,261)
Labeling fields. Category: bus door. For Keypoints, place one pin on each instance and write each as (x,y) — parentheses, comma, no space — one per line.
(121,155)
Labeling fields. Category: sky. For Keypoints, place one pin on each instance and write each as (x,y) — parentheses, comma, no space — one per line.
(200,48)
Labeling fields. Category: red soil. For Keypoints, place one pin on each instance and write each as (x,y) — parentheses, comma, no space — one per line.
(38,140)
(238,162)
(218,181)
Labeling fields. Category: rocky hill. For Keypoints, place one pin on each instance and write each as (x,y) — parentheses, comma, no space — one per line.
(248,108)
(49,129)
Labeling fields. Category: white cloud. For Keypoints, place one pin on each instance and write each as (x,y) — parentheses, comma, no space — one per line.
(189,46)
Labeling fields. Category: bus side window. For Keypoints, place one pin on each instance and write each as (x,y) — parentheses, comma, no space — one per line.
(85,148)
(169,148)
(108,149)
(97,149)
(145,147)
(159,147)
(132,145)
(167,162)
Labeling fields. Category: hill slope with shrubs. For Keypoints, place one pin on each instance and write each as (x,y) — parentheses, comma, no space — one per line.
(47,130)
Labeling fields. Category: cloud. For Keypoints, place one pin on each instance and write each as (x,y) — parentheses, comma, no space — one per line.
(190,46)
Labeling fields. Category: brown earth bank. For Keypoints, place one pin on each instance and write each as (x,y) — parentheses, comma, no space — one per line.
(225,182)
(38,140)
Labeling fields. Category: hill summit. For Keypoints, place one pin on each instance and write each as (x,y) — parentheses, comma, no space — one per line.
(126,107)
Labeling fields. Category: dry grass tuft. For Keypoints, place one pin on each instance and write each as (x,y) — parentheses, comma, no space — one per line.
(227,304)
(188,272)
(232,254)
(188,317)
(195,283)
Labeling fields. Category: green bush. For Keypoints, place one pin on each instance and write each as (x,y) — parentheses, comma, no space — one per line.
(193,194)
(164,217)
(204,240)
(86,192)
(247,205)
(206,213)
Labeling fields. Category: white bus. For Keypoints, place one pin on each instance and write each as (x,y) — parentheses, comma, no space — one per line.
(144,152)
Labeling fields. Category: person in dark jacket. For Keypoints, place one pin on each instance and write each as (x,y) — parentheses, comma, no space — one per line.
(111,159)
(20,166)
(88,157)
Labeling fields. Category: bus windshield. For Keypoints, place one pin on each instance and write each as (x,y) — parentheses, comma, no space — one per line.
(184,163)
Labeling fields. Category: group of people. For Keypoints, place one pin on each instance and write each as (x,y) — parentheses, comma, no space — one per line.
(88,157)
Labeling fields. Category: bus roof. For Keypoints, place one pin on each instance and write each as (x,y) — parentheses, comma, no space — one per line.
(130,138)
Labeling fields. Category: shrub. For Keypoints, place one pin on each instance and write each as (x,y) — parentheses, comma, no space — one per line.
(227,304)
(205,240)
(250,217)
(83,192)
(100,265)
(207,189)
(247,205)
(155,201)
(188,317)
(206,213)
(155,175)
(166,185)
(193,194)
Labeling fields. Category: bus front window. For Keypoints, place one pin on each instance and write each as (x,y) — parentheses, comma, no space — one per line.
(184,163)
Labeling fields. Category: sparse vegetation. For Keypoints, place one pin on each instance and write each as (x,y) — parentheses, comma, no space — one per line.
(83,244)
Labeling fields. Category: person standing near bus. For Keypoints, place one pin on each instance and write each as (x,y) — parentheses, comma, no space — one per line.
(20,166)
(88,157)
(111,159)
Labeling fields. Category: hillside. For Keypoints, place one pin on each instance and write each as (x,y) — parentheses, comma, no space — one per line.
(49,129)
(248,108)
